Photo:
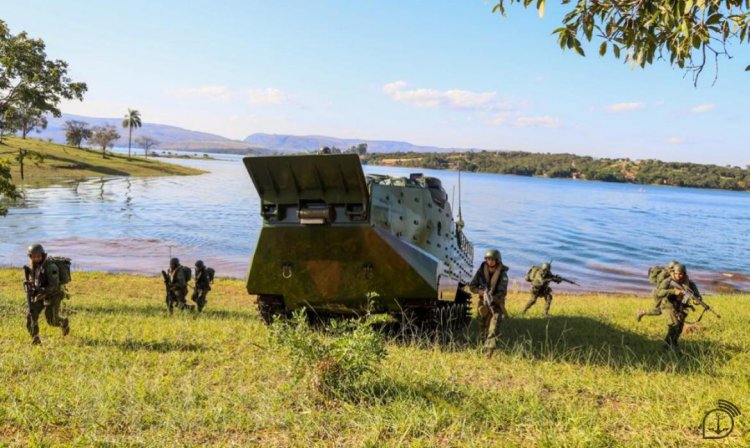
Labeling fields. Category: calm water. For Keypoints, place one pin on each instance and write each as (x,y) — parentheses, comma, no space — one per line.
(602,235)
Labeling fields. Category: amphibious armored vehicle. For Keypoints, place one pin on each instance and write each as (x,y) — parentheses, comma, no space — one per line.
(338,242)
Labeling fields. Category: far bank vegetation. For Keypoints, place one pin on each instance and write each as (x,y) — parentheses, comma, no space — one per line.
(572,166)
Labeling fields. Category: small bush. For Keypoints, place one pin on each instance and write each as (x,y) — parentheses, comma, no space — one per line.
(337,360)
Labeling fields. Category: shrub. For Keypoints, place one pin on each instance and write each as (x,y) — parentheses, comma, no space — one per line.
(336,359)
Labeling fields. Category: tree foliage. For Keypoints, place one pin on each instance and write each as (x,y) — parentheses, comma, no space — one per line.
(579,167)
(8,191)
(76,132)
(104,137)
(132,120)
(29,80)
(26,119)
(687,33)
(146,143)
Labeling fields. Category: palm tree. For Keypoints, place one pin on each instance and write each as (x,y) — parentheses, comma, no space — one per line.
(132,120)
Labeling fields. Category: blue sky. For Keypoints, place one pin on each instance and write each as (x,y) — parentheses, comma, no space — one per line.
(442,73)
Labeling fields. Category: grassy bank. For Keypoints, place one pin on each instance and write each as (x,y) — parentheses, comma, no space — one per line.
(589,376)
(68,162)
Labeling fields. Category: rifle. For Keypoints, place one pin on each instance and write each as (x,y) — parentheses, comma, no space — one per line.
(558,279)
(689,295)
(170,295)
(487,296)
(28,286)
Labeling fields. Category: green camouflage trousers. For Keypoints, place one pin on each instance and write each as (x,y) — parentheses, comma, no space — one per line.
(489,321)
(51,307)
(199,297)
(675,324)
(535,294)
(656,310)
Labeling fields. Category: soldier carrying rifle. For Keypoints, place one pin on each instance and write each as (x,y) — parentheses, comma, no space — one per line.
(540,277)
(44,280)
(676,293)
(491,282)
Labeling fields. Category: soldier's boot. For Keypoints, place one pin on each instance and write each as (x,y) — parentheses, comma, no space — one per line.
(488,352)
(36,340)
(639,315)
(547,305)
(65,327)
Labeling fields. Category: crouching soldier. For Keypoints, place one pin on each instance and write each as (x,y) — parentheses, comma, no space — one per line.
(203,278)
(492,279)
(44,291)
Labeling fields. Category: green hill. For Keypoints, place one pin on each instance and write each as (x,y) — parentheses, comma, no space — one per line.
(68,162)
(129,374)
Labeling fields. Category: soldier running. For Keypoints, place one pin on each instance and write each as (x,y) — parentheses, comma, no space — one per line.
(491,278)
(656,275)
(203,279)
(44,292)
(178,284)
(672,292)
(540,278)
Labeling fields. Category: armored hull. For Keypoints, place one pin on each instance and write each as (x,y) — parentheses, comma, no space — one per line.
(338,242)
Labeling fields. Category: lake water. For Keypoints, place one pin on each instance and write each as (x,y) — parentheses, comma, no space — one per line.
(602,235)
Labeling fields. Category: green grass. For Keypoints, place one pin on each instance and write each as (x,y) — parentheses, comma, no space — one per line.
(129,374)
(68,162)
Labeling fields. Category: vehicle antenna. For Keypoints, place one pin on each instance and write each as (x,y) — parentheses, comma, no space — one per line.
(460,222)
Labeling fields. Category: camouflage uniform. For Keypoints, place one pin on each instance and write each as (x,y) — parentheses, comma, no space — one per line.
(676,311)
(663,274)
(540,279)
(491,317)
(178,285)
(47,295)
(202,286)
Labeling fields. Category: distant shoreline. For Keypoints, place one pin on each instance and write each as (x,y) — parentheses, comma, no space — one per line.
(574,167)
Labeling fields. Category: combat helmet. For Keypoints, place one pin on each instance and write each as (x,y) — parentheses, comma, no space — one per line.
(672,264)
(34,249)
(199,264)
(546,266)
(493,253)
(679,267)
(174,262)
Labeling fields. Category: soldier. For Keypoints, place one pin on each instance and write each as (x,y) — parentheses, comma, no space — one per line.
(671,292)
(203,280)
(491,277)
(540,278)
(45,293)
(656,276)
(178,283)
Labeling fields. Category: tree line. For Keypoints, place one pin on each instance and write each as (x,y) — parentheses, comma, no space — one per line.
(571,166)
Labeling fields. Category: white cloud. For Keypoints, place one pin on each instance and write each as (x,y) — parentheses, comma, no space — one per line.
(623,107)
(266,96)
(218,93)
(545,121)
(702,108)
(453,98)
(674,140)
(499,119)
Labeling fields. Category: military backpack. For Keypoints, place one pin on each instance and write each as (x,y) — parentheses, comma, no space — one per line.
(210,274)
(532,272)
(63,267)
(187,272)
(656,274)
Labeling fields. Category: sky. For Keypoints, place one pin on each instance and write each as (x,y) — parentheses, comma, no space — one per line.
(441,73)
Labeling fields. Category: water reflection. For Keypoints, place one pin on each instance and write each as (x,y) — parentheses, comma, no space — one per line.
(603,235)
